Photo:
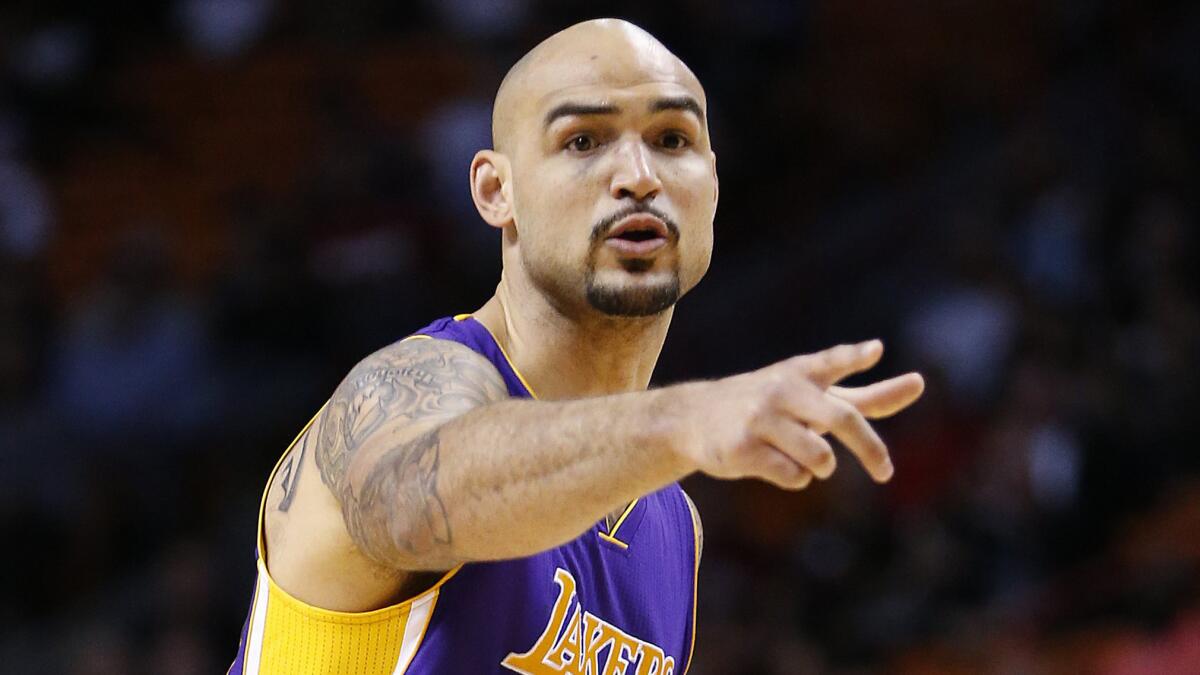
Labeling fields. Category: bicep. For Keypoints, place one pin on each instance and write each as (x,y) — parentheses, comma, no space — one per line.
(402,391)
(378,448)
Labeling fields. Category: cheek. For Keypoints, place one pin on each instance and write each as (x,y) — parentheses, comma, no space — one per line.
(694,198)
(553,217)
(551,193)
(691,182)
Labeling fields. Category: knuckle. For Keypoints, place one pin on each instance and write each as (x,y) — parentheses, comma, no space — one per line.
(776,398)
(758,415)
(827,357)
(844,417)
(824,465)
(823,458)
(746,442)
(804,366)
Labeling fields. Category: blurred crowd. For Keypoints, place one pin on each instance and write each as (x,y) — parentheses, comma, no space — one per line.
(210,209)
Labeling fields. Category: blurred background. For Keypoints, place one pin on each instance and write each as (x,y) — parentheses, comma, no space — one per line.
(211,209)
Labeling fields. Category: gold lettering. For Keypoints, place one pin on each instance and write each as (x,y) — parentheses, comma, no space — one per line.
(624,648)
(654,661)
(566,654)
(533,662)
(596,634)
(573,646)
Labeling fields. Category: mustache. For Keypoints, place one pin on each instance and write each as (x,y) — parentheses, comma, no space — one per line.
(601,229)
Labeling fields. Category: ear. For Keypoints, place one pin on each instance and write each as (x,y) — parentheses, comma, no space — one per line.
(490,188)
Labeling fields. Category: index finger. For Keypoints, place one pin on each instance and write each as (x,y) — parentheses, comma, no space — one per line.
(885,398)
(828,367)
(814,407)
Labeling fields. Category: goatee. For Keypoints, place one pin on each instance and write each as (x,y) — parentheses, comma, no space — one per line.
(639,301)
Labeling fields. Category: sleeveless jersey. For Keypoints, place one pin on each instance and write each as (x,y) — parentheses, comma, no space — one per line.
(608,602)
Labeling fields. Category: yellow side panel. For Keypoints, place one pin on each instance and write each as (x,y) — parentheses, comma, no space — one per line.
(297,639)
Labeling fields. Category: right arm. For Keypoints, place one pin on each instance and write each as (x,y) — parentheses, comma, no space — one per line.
(433,465)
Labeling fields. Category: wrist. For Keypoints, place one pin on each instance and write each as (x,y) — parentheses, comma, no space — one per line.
(669,433)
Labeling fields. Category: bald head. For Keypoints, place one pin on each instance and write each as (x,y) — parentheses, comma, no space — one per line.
(599,127)
(605,52)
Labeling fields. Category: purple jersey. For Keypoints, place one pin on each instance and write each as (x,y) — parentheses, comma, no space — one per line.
(607,602)
(619,602)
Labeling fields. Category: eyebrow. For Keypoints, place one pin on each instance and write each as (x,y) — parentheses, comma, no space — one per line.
(683,103)
(569,109)
(572,109)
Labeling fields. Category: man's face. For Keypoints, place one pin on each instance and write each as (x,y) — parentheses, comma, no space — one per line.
(614,185)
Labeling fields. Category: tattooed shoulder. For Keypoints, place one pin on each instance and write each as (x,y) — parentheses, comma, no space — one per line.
(406,391)
(408,380)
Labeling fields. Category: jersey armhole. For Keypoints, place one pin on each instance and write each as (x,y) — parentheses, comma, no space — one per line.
(261,549)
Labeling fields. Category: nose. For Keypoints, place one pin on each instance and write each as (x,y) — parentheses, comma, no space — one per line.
(634,175)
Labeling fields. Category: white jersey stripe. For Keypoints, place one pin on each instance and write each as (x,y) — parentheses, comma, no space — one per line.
(414,630)
(254,642)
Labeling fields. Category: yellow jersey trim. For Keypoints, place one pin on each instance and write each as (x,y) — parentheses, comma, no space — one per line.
(621,520)
(262,506)
(532,393)
(611,536)
(612,540)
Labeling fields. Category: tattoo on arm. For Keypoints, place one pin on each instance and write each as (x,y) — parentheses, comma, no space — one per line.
(404,482)
(290,475)
(389,488)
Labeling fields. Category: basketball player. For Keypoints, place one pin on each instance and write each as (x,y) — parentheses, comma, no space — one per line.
(497,492)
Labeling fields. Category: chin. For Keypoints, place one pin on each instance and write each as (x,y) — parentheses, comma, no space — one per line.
(636,295)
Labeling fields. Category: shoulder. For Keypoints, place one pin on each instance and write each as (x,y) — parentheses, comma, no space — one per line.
(417,380)
(325,539)
(419,376)
(422,361)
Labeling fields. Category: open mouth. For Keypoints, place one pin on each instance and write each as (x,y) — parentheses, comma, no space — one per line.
(637,235)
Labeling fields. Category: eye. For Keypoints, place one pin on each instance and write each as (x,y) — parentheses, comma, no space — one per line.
(581,143)
(673,140)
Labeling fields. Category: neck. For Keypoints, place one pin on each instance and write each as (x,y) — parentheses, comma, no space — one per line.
(567,357)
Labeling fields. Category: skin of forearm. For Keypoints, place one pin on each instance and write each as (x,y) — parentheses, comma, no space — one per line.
(514,478)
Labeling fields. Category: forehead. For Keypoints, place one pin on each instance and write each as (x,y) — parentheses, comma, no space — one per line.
(607,76)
